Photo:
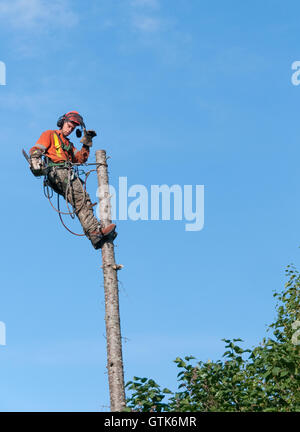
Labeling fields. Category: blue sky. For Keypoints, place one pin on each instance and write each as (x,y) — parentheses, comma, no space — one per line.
(185,92)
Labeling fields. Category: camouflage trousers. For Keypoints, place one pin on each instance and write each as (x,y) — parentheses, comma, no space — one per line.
(66,183)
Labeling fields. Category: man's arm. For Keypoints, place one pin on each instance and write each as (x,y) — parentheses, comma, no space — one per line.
(42,144)
(82,155)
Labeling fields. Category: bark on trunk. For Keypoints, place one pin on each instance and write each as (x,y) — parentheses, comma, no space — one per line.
(112,314)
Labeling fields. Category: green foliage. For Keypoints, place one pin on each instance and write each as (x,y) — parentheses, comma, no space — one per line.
(266,378)
(147,395)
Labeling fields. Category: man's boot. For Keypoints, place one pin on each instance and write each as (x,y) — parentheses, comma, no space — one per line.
(100,236)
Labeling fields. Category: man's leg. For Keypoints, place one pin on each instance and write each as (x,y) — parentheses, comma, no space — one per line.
(62,183)
(82,204)
(81,201)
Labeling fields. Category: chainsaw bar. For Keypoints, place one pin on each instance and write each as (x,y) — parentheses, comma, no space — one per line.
(26,156)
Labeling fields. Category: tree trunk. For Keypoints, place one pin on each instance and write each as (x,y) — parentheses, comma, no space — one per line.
(112,315)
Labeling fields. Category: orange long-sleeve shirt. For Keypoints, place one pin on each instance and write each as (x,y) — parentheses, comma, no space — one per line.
(51,145)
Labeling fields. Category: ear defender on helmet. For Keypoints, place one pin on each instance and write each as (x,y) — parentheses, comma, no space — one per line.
(61,120)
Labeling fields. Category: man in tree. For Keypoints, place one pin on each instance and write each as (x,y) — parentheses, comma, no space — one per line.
(59,150)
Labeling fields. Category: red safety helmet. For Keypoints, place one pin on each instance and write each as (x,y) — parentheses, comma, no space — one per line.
(73,116)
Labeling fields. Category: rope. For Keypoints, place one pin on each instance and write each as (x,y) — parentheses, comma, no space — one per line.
(61,219)
(47,186)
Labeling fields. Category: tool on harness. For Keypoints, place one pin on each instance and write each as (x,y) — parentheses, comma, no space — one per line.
(36,164)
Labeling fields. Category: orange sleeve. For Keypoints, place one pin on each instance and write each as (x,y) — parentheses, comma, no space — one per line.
(81,156)
(43,143)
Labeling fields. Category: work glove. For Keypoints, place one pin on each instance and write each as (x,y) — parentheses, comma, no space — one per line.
(88,136)
(36,163)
